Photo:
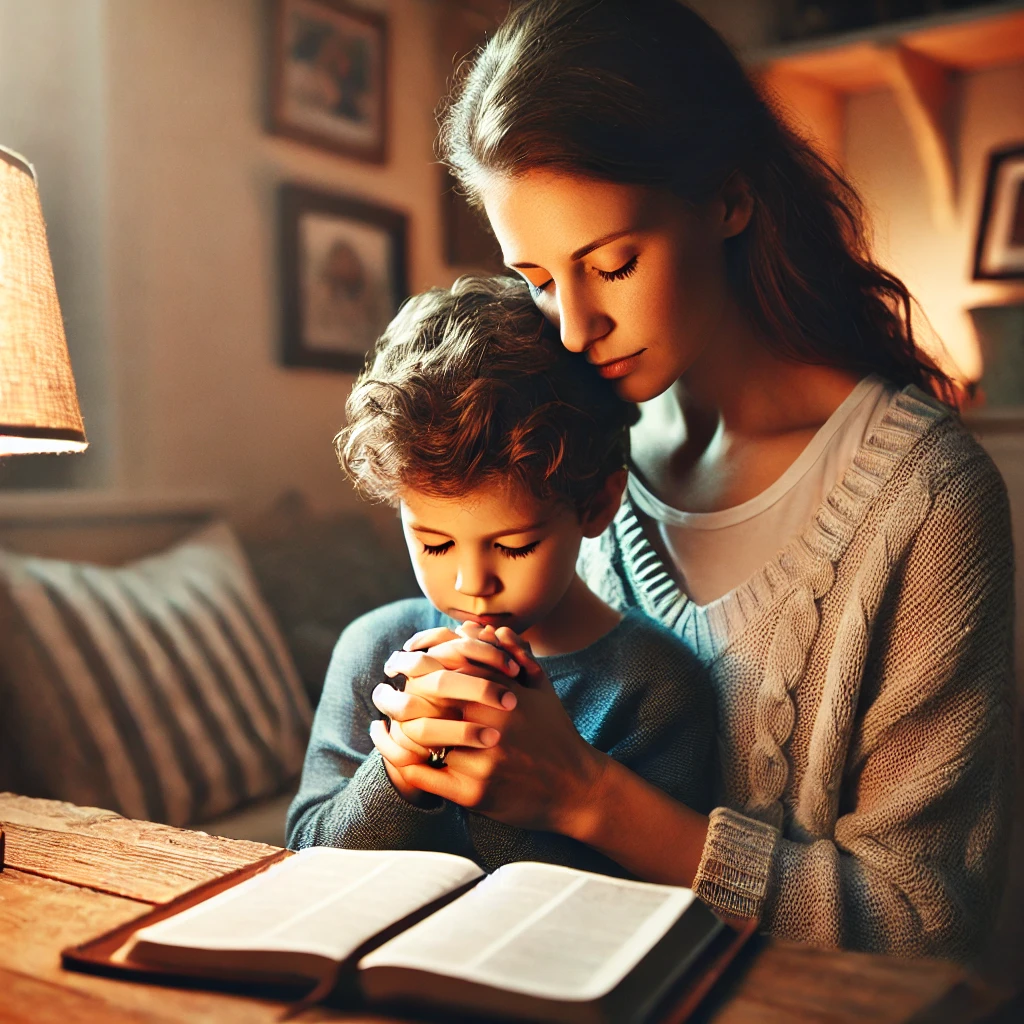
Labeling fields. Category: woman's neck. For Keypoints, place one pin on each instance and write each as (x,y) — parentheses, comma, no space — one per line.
(735,421)
(739,383)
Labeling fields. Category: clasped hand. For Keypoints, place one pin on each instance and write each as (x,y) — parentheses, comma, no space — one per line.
(515,754)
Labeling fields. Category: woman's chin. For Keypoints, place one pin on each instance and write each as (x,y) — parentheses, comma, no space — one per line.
(637,387)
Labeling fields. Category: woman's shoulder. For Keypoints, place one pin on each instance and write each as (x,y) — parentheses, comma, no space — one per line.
(940,455)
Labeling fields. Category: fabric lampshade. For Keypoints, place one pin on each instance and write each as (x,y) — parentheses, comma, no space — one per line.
(38,404)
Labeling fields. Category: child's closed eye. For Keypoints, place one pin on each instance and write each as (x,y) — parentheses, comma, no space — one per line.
(437,549)
(522,552)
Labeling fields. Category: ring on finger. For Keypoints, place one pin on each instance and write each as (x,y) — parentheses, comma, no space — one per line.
(438,757)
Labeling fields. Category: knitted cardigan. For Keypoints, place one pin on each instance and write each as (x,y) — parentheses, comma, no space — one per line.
(864,679)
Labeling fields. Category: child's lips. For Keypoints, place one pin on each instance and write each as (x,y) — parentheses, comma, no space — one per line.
(490,619)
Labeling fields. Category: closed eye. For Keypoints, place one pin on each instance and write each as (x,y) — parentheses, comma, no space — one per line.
(522,552)
(538,289)
(438,549)
(628,268)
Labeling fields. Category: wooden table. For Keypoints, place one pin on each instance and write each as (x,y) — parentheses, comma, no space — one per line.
(73,872)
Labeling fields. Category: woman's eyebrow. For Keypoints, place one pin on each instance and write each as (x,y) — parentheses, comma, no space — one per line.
(584,250)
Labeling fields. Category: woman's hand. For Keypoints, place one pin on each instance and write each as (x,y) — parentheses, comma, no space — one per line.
(522,763)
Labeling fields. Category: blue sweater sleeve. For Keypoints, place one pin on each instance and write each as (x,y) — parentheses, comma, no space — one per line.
(346,798)
(662,720)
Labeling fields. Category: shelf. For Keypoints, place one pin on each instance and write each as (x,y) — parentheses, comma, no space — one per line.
(969,40)
(915,59)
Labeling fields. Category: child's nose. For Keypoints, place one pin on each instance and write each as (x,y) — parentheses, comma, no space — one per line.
(476,581)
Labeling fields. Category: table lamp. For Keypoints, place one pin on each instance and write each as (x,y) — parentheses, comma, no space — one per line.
(38,404)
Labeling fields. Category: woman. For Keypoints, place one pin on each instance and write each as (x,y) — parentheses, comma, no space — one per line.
(803,508)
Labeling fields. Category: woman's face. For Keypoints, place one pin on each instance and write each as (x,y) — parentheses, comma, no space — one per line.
(634,277)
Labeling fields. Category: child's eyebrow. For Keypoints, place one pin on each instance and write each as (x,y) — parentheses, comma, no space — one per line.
(519,529)
(429,529)
(418,528)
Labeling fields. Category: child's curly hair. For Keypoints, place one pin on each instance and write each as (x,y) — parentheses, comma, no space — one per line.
(470,386)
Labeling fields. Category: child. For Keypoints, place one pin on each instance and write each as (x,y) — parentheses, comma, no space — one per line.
(502,451)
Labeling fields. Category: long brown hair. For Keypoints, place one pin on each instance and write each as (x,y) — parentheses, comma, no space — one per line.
(645,92)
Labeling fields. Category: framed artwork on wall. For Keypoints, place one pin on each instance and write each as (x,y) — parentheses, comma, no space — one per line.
(999,253)
(328,80)
(343,276)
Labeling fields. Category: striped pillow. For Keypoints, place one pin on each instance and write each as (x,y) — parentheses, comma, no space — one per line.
(160,689)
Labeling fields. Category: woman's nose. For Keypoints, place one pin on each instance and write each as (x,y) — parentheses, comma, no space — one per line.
(476,580)
(580,323)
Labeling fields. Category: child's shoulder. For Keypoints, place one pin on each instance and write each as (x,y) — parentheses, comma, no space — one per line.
(649,645)
(388,627)
(637,627)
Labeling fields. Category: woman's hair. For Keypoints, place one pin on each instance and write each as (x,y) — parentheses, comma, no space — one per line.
(472,386)
(645,92)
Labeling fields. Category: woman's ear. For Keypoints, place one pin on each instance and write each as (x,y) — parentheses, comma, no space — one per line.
(737,205)
(604,504)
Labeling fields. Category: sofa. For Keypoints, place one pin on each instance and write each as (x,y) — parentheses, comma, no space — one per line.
(164,664)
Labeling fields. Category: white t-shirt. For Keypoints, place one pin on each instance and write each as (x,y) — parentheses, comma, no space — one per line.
(714,552)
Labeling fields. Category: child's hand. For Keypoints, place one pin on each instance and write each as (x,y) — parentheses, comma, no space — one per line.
(438,698)
(470,648)
(537,773)
(475,651)
(431,710)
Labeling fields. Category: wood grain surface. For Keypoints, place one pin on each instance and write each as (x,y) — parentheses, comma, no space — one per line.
(74,872)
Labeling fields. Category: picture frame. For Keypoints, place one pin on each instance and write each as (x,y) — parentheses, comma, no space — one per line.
(329,77)
(343,276)
(999,250)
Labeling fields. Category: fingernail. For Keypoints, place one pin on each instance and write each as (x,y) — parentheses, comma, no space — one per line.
(508,700)
(489,737)
(513,667)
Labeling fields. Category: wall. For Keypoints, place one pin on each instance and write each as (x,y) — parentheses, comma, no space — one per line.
(201,401)
(145,121)
(936,264)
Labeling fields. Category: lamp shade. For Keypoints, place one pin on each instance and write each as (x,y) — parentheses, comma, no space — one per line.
(38,404)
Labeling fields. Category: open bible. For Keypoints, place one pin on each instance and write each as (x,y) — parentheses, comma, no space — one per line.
(421,931)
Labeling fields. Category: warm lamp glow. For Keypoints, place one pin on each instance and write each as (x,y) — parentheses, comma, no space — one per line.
(38,404)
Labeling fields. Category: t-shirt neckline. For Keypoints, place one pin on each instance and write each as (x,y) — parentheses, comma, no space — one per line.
(816,448)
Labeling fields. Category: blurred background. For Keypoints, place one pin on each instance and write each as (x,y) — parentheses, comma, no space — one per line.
(149,124)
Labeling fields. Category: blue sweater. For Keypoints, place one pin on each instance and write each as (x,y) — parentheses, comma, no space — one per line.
(637,694)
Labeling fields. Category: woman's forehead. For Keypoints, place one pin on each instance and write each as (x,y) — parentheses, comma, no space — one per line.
(551,213)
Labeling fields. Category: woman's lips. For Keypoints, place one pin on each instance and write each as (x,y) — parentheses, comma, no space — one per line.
(619,367)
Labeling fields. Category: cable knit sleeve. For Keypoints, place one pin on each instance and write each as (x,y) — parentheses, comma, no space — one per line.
(346,797)
(920,680)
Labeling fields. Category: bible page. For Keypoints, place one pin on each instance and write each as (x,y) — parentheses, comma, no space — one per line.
(323,901)
(542,930)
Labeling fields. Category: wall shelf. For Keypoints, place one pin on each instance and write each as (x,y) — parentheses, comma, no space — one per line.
(915,59)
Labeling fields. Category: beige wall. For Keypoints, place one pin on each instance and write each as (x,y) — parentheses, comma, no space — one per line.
(201,400)
(988,112)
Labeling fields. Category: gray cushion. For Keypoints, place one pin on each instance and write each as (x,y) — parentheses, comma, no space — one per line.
(161,689)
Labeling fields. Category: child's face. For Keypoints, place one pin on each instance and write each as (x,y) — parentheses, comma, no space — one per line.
(497,556)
